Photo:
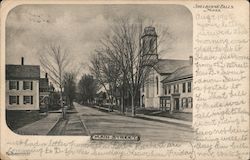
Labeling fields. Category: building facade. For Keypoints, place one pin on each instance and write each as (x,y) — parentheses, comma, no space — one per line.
(152,89)
(22,87)
(178,90)
(153,93)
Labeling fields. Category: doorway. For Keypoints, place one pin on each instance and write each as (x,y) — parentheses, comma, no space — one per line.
(142,101)
(176,103)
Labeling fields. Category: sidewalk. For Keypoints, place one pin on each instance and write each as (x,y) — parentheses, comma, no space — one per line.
(164,119)
(41,127)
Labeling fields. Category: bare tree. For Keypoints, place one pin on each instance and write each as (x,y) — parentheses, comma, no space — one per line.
(54,61)
(128,56)
(106,72)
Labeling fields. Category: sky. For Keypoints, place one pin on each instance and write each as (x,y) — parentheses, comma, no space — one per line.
(80,27)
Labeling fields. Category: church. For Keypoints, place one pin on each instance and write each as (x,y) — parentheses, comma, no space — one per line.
(168,85)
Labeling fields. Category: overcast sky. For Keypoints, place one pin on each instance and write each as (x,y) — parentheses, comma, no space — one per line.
(80,27)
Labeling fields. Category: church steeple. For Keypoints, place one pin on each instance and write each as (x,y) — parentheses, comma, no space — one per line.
(149,47)
(149,41)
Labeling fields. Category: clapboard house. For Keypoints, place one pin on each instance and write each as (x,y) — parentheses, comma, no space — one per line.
(178,94)
(22,86)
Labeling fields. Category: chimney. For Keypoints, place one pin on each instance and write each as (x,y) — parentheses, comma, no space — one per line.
(46,75)
(191,60)
(22,61)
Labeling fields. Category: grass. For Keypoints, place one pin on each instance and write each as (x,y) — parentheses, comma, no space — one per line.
(156,112)
(175,115)
(146,111)
(18,119)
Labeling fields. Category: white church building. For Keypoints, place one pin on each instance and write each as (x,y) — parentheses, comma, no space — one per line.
(154,93)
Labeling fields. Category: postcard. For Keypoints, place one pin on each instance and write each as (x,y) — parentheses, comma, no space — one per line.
(124,80)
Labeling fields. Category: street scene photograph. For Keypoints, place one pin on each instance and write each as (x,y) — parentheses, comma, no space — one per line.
(118,72)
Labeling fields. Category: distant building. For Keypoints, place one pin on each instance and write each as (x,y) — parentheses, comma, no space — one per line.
(44,90)
(22,87)
(152,93)
(101,98)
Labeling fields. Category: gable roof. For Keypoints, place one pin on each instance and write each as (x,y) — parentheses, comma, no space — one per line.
(180,73)
(22,72)
(169,65)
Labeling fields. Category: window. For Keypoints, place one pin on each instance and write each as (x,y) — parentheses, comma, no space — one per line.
(165,90)
(13,85)
(13,99)
(165,103)
(162,103)
(189,86)
(27,85)
(190,102)
(143,87)
(157,85)
(27,99)
(151,46)
(147,90)
(184,102)
(176,88)
(183,87)
(142,101)
(169,89)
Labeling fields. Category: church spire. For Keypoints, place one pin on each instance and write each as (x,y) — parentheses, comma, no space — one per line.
(149,40)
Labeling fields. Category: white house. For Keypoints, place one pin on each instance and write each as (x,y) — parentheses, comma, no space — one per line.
(178,90)
(22,87)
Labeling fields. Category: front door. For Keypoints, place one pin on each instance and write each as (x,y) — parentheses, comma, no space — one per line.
(142,101)
(176,103)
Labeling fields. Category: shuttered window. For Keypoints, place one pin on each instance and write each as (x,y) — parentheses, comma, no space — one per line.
(169,89)
(183,87)
(27,99)
(13,85)
(27,85)
(176,88)
(13,99)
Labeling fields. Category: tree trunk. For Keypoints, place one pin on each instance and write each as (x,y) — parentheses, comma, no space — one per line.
(61,103)
(132,105)
(122,101)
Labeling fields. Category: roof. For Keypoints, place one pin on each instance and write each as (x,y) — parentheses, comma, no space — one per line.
(44,83)
(169,65)
(180,73)
(22,72)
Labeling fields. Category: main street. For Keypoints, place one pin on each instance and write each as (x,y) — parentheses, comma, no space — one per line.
(96,121)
